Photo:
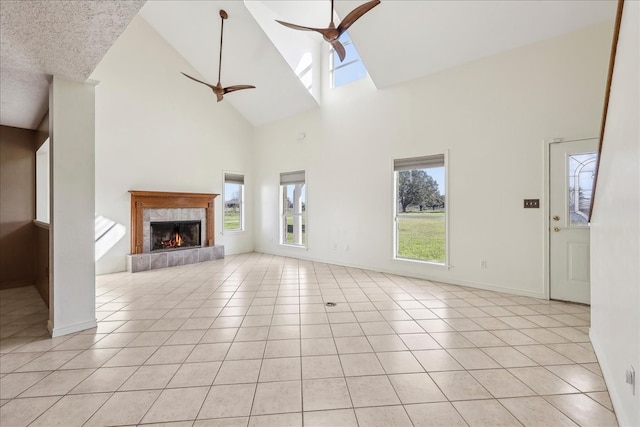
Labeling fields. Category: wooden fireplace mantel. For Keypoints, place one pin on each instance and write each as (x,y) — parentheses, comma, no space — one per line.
(141,200)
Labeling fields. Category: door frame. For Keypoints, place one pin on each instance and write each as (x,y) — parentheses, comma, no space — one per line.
(546,148)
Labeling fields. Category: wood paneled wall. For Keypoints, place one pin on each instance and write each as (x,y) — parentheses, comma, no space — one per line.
(17,207)
(42,263)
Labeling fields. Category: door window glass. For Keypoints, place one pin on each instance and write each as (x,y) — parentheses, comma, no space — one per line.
(581,175)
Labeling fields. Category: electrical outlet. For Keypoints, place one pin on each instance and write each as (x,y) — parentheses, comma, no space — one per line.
(630,378)
(483,263)
(531,203)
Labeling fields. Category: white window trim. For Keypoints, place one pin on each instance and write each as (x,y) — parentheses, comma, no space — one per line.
(242,203)
(305,246)
(394,197)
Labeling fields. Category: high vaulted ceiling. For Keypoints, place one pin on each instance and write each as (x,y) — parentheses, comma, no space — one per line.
(398,41)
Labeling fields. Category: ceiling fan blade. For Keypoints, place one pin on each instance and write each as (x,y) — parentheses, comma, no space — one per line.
(327,33)
(217,89)
(355,14)
(237,87)
(302,28)
(339,48)
(199,81)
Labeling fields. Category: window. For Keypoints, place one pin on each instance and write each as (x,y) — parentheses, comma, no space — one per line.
(351,69)
(581,175)
(293,208)
(420,213)
(304,71)
(233,202)
(42,183)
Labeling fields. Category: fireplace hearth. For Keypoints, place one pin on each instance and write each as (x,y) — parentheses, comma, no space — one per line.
(172,235)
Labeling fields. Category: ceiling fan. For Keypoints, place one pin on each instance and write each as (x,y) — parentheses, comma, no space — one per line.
(218,89)
(331,34)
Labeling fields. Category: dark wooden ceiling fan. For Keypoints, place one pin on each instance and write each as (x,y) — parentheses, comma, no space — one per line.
(331,34)
(218,89)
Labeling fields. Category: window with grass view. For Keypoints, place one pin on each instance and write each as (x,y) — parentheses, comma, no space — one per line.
(293,207)
(233,202)
(420,217)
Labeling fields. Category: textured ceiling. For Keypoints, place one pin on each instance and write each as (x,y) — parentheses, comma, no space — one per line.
(398,41)
(43,38)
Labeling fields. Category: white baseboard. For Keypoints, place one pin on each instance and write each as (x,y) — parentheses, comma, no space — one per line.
(608,373)
(70,329)
(449,281)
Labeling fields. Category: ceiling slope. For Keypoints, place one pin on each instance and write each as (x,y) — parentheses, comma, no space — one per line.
(402,40)
(398,41)
(248,56)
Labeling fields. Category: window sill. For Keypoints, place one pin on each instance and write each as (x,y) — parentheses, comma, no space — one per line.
(286,245)
(41,224)
(426,263)
(232,232)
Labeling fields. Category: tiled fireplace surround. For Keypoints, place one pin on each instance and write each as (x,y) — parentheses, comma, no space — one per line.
(143,202)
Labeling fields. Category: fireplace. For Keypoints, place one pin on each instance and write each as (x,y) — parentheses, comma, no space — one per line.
(171,229)
(156,206)
(169,235)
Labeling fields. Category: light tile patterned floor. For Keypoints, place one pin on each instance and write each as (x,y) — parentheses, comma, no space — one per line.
(248,341)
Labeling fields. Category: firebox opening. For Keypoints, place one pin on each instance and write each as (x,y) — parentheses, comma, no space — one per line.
(175,235)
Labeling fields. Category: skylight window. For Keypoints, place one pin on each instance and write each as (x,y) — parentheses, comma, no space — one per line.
(351,69)
(301,50)
(304,71)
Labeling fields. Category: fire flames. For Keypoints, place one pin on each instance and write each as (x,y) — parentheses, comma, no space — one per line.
(175,242)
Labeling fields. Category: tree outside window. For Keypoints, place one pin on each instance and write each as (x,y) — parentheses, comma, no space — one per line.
(420,219)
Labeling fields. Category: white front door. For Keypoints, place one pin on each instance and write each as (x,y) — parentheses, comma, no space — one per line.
(571,171)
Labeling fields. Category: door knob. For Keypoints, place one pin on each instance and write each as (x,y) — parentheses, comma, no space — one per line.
(556,218)
(556,229)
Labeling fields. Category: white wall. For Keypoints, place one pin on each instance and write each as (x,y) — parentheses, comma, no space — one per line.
(157,130)
(615,229)
(491,116)
(72,291)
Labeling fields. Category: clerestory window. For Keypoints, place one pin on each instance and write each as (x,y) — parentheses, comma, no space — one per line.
(349,70)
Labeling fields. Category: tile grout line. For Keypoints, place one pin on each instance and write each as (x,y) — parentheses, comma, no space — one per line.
(393,287)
